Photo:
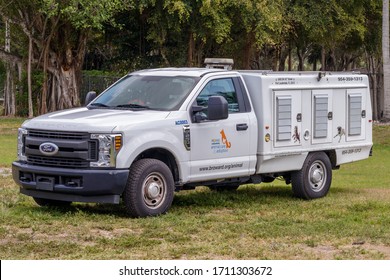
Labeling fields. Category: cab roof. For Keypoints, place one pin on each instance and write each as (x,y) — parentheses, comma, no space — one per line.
(189,71)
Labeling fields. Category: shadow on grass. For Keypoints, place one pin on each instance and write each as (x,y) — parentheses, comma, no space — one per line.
(244,195)
(201,199)
(76,208)
(342,190)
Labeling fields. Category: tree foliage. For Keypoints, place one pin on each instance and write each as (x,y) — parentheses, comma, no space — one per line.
(57,32)
(119,36)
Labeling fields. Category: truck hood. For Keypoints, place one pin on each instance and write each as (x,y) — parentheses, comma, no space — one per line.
(95,120)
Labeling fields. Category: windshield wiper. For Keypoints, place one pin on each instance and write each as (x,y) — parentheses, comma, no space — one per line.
(133,105)
(98,105)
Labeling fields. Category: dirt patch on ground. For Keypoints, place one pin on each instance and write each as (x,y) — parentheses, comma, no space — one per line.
(5,171)
(356,251)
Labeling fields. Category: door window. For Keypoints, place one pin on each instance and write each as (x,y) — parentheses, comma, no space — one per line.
(220,87)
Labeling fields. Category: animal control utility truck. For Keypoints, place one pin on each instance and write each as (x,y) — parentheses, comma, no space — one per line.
(158,131)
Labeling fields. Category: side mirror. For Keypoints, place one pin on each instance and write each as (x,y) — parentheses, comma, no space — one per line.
(217,108)
(198,114)
(90,96)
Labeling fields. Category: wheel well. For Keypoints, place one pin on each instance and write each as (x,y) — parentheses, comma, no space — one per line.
(164,156)
(333,158)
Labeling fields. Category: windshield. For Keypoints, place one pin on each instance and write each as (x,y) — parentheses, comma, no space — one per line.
(146,92)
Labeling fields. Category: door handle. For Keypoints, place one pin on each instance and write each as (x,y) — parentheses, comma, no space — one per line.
(241,126)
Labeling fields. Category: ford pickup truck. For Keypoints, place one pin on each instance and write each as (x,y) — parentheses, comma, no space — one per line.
(158,131)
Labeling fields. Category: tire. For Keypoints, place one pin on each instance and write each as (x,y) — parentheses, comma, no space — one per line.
(315,177)
(51,202)
(227,187)
(149,190)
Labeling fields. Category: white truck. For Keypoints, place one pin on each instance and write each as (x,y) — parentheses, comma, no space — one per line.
(158,131)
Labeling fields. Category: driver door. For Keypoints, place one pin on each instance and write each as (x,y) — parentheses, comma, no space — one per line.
(220,149)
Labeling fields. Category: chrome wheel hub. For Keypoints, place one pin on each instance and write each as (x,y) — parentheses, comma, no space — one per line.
(317,176)
(154,190)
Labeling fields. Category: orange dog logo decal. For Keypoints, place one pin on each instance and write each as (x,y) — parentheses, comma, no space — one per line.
(225,140)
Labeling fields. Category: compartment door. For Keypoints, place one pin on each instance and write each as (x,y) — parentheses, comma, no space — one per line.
(356,114)
(287,118)
(322,116)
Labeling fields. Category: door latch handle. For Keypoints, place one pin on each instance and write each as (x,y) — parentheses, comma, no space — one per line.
(242,127)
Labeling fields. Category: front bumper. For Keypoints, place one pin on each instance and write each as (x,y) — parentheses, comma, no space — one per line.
(85,185)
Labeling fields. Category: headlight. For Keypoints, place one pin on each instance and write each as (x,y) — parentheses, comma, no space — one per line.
(21,148)
(108,146)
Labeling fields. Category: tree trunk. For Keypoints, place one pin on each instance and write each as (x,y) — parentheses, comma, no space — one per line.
(323,59)
(68,88)
(370,61)
(374,97)
(284,53)
(199,53)
(191,47)
(301,59)
(42,105)
(247,51)
(275,58)
(9,91)
(62,70)
(331,61)
(29,86)
(9,86)
(63,88)
(289,57)
(314,66)
(386,60)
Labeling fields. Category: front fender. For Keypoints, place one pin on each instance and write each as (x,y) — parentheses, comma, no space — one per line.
(172,141)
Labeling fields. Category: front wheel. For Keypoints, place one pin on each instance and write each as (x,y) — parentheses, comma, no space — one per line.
(315,177)
(149,190)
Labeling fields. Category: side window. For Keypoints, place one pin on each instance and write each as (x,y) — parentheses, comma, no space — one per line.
(222,87)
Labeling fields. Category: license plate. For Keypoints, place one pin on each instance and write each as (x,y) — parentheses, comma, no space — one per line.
(45,183)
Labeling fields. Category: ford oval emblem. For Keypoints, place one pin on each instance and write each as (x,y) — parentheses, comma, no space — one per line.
(48,149)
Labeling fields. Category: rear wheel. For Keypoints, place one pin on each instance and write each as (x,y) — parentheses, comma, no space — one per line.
(51,202)
(149,190)
(315,177)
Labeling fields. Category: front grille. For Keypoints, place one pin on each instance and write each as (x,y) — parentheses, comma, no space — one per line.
(58,135)
(57,162)
(76,149)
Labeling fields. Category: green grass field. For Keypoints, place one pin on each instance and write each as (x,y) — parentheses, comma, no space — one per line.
(8,134)
(256,222)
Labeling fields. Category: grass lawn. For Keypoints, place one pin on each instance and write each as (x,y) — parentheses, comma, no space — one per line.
(256,222)
(8,134)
